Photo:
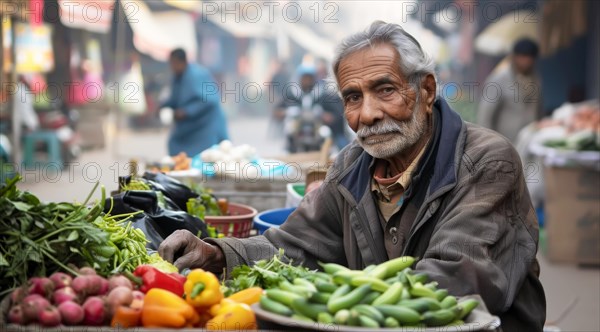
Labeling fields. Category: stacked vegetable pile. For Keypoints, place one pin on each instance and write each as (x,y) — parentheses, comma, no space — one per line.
(148,297)
(38,239)
(387,295)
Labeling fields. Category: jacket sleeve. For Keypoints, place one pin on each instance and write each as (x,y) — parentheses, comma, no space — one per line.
(311,233)
(485,241)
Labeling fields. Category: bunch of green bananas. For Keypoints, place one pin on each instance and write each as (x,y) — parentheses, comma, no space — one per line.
(385,295)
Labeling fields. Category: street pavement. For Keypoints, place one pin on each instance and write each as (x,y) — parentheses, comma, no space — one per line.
(573,293)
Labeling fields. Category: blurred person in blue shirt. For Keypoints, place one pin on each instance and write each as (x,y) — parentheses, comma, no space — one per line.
(199,120)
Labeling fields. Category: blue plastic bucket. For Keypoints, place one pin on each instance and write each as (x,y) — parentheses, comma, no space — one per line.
(271,218)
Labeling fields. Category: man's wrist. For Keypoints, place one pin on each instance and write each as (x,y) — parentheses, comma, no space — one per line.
(217,261)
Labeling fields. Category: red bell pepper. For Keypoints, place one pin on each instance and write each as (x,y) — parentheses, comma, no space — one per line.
(154,278)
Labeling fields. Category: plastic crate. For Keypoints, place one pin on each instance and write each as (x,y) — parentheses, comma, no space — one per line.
(237,224)
(295,193)
(271,218)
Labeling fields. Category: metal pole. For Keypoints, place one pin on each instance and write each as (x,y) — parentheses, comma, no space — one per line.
(16,117)
(119,62)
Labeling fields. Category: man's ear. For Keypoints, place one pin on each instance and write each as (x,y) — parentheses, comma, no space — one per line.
(428,89)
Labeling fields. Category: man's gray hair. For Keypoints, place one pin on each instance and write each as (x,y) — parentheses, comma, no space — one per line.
(414,63)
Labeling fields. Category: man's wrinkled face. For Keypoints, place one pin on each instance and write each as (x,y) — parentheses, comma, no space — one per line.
(380,105)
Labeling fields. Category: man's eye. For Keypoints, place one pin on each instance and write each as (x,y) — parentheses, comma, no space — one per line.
(386,91)
(352,98)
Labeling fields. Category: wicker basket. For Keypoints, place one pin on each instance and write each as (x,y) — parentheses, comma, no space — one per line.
(237,224)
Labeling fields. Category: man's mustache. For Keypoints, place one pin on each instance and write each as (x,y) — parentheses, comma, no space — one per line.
(382,127)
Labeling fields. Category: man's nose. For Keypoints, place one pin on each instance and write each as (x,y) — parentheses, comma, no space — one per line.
(371,111)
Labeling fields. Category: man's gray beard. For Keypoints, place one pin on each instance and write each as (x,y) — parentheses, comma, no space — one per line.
(406,134)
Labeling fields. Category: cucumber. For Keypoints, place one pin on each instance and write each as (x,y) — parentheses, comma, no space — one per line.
(310,310)
(448,302)
(441,317)
(348,300)
(365,321)
(421,304)
(274,306)
(321,298)
(369,311)
(466,307)
(402,314)
(281,296)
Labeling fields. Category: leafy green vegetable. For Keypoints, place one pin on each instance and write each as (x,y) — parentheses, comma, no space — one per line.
(37,239)
(265,274)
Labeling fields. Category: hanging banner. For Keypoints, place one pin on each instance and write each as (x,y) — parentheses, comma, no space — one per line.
(33,48)
(94,16)
(6,43)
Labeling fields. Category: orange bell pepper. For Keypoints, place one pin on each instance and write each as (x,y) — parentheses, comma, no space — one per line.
(237,316)
(126,317)
(202,289)
(249,295)
(162,308)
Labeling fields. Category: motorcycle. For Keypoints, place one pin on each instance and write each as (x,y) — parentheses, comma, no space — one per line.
(304,126)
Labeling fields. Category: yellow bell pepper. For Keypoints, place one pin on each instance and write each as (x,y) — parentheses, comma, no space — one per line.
(216,308)
(202,289)
(249,295)
(237,316)
(164,309)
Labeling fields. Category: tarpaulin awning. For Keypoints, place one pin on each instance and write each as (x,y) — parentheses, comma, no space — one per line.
(499,37)
(94,16)
(306,38)
(157,34)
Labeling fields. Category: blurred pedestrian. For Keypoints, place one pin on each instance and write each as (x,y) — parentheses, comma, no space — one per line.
(516,101)
(278,81)
(199,120)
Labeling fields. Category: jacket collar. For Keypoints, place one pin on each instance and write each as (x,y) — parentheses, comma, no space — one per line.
(357,180)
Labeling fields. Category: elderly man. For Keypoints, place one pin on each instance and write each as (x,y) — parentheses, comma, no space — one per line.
(417,181)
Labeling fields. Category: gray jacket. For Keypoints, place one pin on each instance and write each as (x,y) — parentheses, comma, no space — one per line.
(475,230)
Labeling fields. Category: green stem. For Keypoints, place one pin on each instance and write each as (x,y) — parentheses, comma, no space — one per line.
(56,232)
(66,268)
(198,288)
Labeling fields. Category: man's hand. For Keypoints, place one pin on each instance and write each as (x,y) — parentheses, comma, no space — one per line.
(185,250)
(179,114)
